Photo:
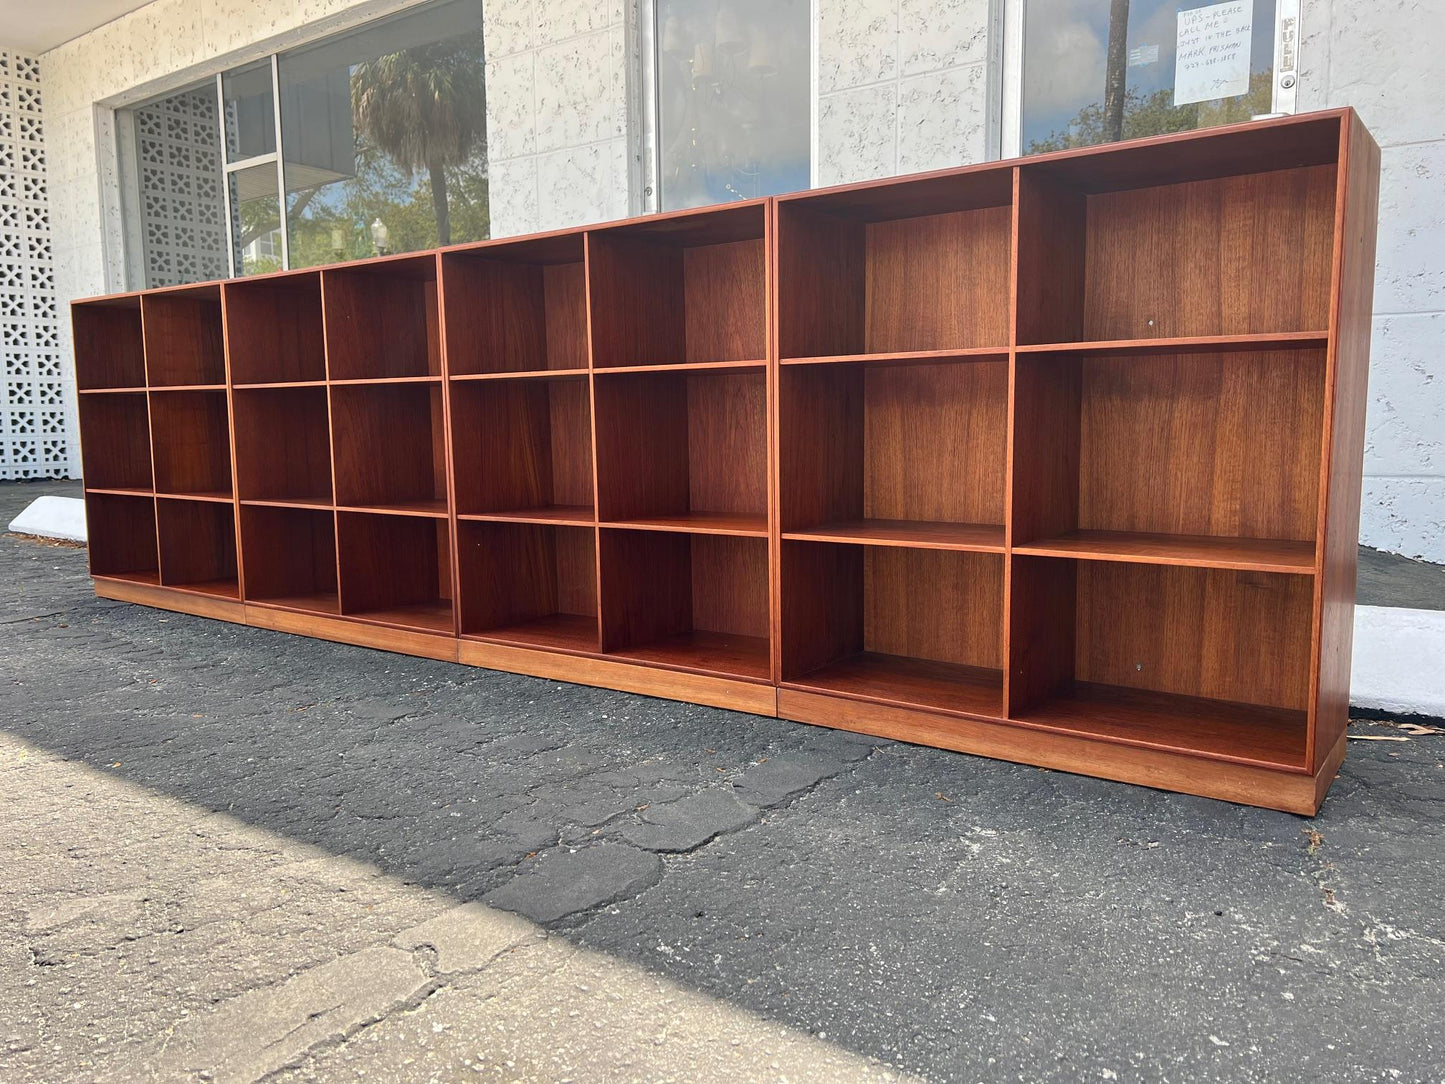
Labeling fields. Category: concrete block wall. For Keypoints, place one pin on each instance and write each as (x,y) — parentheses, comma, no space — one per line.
(903,86)
(1382,57)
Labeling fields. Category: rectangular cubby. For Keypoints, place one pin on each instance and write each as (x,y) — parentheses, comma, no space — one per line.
(122,533)
(523,448)
(283,445)
(907,454)
(920,266)
(681,289)
(191,443)
(382,320)
(396,570)
(920,628)
(516,307)
(198,546)
(683,450)
(274,329)
(1207,458)
(389,447)
(182,331)
(116,441)
(530,584)
(698,602)
(290,558)
(109,348)
(1235,245)
(1199,660)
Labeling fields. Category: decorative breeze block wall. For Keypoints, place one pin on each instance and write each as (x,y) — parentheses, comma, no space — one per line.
(33,439)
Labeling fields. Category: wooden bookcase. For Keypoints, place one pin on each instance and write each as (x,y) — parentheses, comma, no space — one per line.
(1055,460)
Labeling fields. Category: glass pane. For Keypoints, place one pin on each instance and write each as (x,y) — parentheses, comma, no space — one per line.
(250,112)
(733,89)
(256,219)
(384,134)
(1096,71)
(174,213)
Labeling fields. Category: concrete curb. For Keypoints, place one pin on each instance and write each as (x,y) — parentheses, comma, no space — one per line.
(52,517)
(1399,661)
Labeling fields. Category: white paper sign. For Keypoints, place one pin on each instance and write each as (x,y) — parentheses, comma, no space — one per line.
(1211,57)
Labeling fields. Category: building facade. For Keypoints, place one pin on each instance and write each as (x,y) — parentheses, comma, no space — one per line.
(194,139)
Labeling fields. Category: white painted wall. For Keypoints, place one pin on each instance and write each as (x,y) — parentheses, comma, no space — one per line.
(1383,58)
(902,85)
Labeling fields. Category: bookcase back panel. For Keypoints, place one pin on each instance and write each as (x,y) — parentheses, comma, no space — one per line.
(938,282)
(274,330)
(725,301)
(727,453)
(935,442)
(928,604)
(1228,256)
(1205,444)
(1214,633)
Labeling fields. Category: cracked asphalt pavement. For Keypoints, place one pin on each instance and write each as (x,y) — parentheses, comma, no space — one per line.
(230,854)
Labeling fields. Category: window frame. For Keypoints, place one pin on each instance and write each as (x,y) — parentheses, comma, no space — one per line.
(1282,90)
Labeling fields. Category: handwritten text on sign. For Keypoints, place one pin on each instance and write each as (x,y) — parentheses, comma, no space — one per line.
(1212,52)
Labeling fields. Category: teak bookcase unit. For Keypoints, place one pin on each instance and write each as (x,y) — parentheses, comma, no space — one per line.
(1055,460)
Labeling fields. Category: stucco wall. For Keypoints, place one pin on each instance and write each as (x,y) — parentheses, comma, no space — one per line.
(1383,58)
(903,86)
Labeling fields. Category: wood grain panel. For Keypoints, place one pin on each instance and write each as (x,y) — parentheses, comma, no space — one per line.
(730,584)
(522,444)
(931,604)
(516,573)
(821,289)
(727,445)
(641,434)
(404,420)
(939,281)
(394,563)
(934,440)
(1042,630)
(183,339)
(381,323)
(1345,436)
(1214,633)
(1223,444)
(1232,255)
(122,533)
(638,309)
(820,445)
(191,441)
(645,586)
(1051,273)
(115,447)
(723,290)
(290,553)
(274,331)
(1045,475)
(283,444)
(510,316)
(197,543)
(822,605)
(109,351)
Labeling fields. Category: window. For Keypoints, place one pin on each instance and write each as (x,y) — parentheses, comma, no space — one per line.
(1095,71)
(383,139)
(733,99)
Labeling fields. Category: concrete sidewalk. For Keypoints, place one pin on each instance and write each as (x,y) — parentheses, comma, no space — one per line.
(234,852)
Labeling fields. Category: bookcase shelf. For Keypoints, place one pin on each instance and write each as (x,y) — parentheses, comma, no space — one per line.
(1055,461)
(516,307)
(523,449)
(683,450)
(530,584)
(898,454)
(191,443)
(389,447)
(695,601)
(182,332)
(274,331)
(680,289)
(198,546)
(290,558)
(395,570)
(382,319)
